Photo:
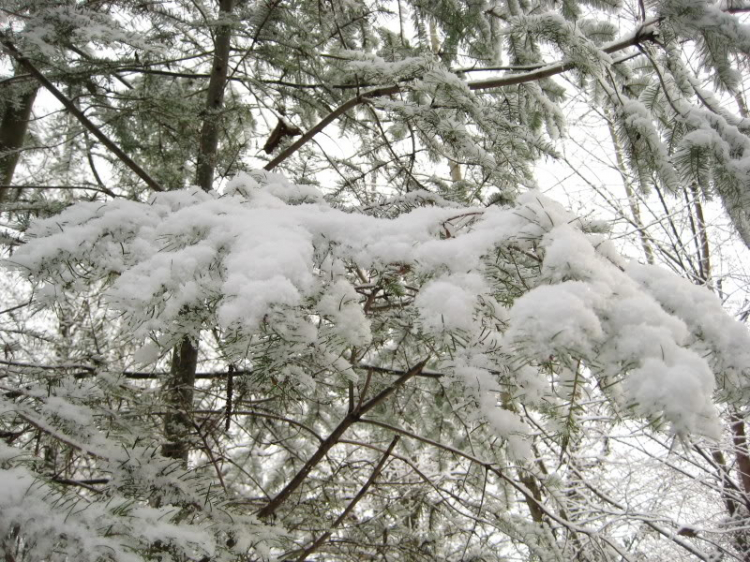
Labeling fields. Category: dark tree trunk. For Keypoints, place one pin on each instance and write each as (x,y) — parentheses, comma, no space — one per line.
(179,396)
(13,128)
(209,140)
(180,388)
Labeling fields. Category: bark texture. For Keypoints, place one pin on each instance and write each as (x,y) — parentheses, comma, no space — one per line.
(13,128)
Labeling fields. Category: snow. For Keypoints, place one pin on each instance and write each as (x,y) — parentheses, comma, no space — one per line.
(723,340)
(75,529)
(443,302)
(147,354)
(15,482)
(555,318)
(269,253)
(340,305)
(680,386)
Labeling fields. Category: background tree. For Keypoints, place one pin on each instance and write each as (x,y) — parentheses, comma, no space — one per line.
(414,361)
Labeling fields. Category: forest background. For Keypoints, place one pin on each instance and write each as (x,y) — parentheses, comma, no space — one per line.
(284,280)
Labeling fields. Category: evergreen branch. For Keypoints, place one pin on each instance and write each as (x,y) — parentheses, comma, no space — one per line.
(254,413)
(89,370)
(88,484)
(11,50)
(44,428)
(63,187)
(644,33)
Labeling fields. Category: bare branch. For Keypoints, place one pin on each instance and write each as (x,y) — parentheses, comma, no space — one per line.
(333,439)
(324,537)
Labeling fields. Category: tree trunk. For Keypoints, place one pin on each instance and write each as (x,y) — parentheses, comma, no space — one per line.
(13,127)
(209,141)
(179,397)
(741,451)
(180,388)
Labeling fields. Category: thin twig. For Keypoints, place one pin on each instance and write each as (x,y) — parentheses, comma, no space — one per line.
(13,308)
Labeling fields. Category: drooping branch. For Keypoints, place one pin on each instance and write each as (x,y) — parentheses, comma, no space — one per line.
(327,120)
(11,50)
(62,438)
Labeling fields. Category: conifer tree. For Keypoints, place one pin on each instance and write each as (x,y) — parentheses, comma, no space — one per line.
(281,284)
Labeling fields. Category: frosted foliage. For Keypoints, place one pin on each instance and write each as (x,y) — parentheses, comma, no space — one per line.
(716,155)
(48,22)
(368,67)
(272,255)
(638,124)
(723,340)
(199,376)
(65,528)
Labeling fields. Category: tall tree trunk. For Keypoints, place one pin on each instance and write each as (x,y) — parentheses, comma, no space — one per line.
(180,388)
(13,127)
(741,453)
(209,141)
